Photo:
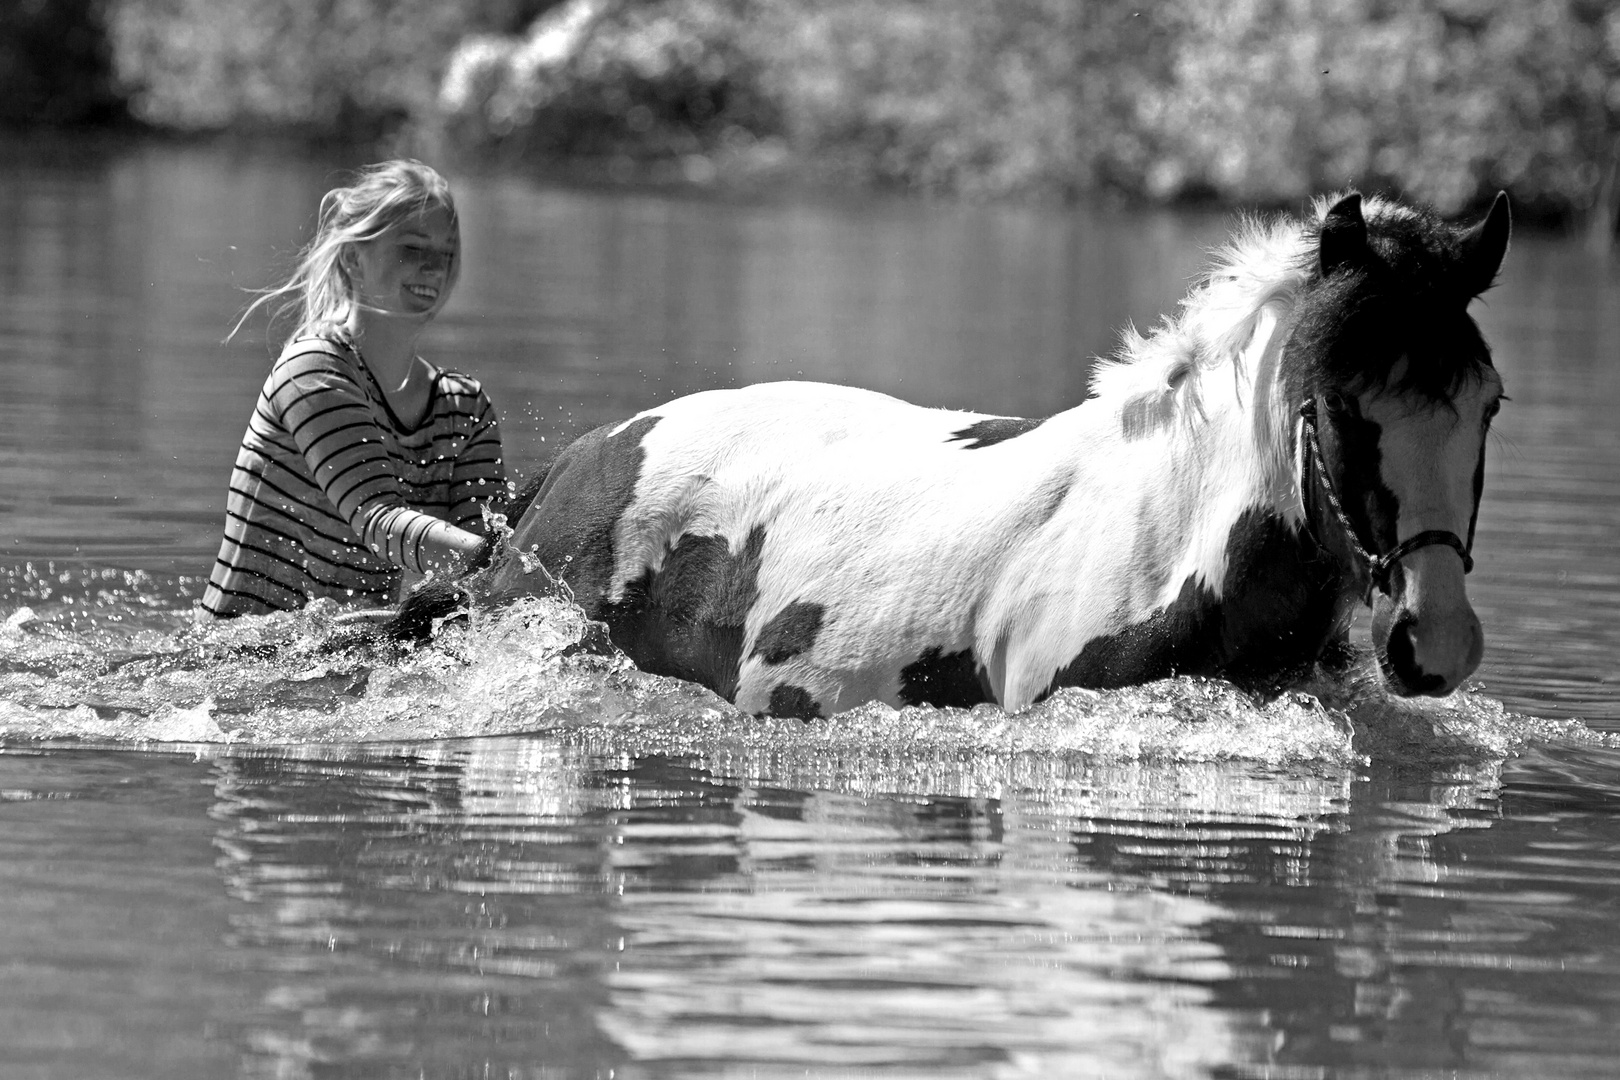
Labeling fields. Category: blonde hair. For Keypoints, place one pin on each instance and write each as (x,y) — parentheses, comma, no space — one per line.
(382,195)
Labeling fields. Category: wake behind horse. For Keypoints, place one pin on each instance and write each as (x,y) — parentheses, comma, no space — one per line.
(1305,435)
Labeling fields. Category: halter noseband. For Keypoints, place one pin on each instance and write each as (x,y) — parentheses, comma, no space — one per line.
(1378,566)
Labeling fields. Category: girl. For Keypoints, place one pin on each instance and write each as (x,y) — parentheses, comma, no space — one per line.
(362,459)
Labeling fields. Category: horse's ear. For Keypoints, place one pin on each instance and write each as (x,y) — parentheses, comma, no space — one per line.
(1484,246)
(1344,237)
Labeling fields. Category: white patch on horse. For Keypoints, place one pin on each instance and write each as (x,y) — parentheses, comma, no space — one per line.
(838,478)
(1428,456)
(1428,452)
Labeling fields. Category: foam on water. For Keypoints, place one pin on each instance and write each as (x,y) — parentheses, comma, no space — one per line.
(117,667)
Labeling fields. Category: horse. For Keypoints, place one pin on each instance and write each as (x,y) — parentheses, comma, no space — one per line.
(1304,435)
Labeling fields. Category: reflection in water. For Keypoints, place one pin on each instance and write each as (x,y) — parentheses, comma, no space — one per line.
(923,937)
(400,909)
(518,907)
(518,899)
(511,902)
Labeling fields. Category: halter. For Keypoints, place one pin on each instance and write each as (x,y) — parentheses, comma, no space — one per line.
(1378,566)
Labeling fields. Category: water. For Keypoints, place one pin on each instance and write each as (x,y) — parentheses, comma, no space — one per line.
(268,848)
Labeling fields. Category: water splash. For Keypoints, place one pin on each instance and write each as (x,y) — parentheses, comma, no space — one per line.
(141,673)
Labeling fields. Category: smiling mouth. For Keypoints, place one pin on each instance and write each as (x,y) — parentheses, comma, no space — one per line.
(423,292)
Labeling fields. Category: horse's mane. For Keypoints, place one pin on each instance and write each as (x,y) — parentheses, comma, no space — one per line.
(1253,285)
(1264,265)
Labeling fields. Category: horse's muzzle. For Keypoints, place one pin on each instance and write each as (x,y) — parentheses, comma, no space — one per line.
(1429,640)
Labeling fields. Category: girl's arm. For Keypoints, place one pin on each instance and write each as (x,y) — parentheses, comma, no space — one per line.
(326,411)
(478,475)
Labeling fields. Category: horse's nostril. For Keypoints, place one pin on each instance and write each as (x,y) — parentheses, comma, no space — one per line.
(1403,663)
(1400,646)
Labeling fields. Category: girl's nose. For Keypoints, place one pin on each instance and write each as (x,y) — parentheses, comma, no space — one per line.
(431,262)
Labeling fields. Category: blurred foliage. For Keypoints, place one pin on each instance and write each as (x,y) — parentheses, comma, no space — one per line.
(959,95)
(55,64)
(345,68)
(1448,100)
(1243,100)
(598,78)
(940,95)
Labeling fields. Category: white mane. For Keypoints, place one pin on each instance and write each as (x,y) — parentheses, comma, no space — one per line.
(1264,265)
(1232,323)
(1207,378)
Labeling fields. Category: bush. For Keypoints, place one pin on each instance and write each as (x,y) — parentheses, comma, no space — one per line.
(593,78)
(938,95)
(344,68)
(1448,100)
(1248,100)
(1254,101)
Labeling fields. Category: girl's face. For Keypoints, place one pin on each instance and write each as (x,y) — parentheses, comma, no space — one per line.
(409,269)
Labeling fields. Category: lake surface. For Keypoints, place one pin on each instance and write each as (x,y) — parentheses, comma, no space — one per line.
(254,850)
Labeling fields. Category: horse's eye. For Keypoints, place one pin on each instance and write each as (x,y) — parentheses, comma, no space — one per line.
(1493,408)
(1334,402)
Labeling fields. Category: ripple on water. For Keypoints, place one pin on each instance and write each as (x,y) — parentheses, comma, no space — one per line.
(534,667)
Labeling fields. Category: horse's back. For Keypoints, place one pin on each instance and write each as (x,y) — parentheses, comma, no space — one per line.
(792,418)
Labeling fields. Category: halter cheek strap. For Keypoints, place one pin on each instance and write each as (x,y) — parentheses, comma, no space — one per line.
(1379,567)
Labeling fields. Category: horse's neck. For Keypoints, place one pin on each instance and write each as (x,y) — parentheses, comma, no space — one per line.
(1225,462)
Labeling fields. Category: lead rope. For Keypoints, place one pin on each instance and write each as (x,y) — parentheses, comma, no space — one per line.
(1378,566)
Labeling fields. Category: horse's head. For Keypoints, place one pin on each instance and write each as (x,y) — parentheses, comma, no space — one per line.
(1396,391)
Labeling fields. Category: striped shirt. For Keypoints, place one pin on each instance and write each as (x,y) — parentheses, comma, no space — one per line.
(331,494)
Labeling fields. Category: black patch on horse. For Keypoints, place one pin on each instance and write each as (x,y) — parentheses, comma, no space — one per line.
(570,527)
(953,680)
(995,430)
(794,703)
(790,632)
(1280,599)
(1350,447)
(686,619)
(1146,414)
(569,511)
(439,597)
(1395,285)
(1479,491)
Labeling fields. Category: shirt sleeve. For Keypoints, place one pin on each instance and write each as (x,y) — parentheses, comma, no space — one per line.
(326,412)
(479,473)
